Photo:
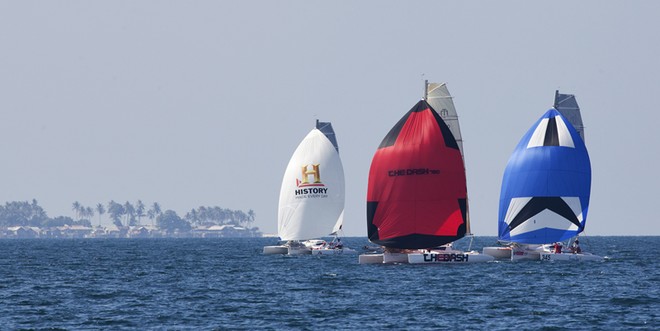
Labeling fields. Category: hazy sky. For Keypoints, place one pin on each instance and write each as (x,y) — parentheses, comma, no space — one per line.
(192,103)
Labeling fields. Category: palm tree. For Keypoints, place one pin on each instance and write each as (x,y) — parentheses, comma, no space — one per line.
(192,216)
(101,210)
(130,213)
(116,210)
(251,217)
(151,216)
(76,208)
(154,212)
(88,212)
(139,210)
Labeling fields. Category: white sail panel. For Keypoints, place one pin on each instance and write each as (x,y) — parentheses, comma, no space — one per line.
(545,219)
(557,125)
(564,135)
(312,192)
(515,206)
(539,134)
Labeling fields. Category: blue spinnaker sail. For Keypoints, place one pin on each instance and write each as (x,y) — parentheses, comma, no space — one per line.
(546,185)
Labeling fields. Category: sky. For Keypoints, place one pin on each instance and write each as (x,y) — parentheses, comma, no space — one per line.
(202,103)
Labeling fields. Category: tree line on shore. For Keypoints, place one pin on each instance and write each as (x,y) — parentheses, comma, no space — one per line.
(26,213)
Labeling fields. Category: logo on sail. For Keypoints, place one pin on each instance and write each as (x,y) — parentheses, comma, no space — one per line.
(314,188)
(412,172)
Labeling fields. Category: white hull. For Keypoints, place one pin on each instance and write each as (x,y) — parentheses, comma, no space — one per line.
(526,252)
(271,250)
(395,257)
(569,257)
(498,252)
(386,257)
(299,250)
(370,259)
(425,257)
(525,256)
(445,257)
(333,251)
(314,247)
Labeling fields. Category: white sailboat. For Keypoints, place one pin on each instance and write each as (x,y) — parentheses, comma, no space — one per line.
(312,194)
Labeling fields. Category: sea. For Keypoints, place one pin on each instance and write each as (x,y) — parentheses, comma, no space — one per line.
(228,284)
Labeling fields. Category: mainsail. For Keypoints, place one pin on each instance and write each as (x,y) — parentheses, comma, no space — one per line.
(546,185)
(417,191)
(567,105)
(312,194)
(438,97)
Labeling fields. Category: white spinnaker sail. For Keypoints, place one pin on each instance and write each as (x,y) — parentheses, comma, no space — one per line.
(438,97)
(312,193)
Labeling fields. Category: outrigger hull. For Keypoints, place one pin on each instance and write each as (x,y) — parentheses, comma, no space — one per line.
(299,251)
(570,257)
(527,252)
(497,252)
(448,257)
(370,259)
(333,251)
(433,257)
(387,258)
(272,250)
(519,255)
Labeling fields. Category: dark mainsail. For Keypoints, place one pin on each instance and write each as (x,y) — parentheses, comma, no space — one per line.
(417,190)
(567,105)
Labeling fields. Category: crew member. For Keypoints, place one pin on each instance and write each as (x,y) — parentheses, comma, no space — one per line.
(576,247)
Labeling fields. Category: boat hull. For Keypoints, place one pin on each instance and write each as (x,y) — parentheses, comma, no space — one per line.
(299,250)
(527,252)
(333,251)
(272,250)
(370,259)
(498,252)
(569,257)
(435,257)
(395,257)
(525,256)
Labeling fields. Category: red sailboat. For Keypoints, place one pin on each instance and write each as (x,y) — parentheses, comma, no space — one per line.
(417,194)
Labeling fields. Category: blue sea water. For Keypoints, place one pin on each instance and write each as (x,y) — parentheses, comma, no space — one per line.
(209,284)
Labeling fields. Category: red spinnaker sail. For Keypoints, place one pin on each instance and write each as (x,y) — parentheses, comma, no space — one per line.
(417,189)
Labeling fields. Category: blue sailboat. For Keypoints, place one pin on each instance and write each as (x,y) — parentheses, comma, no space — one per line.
(546,185)
(546,188)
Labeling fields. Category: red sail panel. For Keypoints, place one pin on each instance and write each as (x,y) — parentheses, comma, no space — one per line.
(417,189)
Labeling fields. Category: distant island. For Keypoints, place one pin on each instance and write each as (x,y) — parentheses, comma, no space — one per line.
(24,219)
